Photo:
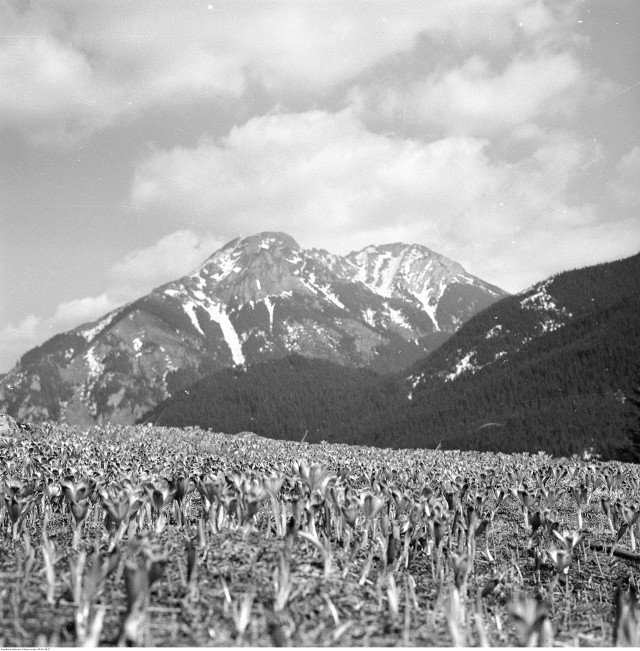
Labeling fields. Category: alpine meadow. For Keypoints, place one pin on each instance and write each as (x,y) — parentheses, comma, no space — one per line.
(319,323)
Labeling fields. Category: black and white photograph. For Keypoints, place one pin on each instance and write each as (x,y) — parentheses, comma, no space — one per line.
(319,323)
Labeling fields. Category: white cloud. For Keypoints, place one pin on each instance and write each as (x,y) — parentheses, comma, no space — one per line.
(171,257)
(80,310)
(69,67)
(47,88)
(558,249)
(473,99)
(34,330)
(328,181)
(312,174)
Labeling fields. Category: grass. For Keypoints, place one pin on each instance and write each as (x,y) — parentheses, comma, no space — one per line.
(164,537)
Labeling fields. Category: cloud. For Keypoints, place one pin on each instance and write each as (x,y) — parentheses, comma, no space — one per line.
(310,174)
(328,181)
(492,94)
(141,270)
(33,330)
(46,85)
(473,99)
(561,249)
(80,310)
(70,67)
(171,257)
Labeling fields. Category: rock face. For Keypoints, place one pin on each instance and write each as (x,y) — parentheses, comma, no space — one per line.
(257,298)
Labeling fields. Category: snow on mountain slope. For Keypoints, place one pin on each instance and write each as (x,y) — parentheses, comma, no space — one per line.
(257,298)
(417,274)
(494,336)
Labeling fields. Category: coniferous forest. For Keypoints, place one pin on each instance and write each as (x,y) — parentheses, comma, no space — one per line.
(568,391)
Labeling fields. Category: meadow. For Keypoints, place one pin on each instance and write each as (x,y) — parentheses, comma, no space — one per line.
(166,537)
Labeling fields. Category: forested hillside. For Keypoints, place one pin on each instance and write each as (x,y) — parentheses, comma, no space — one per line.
(562,391)
(257,298)
(287,398)
(557,379)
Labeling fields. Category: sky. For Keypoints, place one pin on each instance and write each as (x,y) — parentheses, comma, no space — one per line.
(137,137)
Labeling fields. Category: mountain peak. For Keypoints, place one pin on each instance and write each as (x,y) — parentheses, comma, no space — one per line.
(258,297)
(250,246)
(411,271)
(267,240)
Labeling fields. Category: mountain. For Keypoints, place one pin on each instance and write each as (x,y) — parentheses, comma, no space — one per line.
(548,369)
(554,368)
(257,298)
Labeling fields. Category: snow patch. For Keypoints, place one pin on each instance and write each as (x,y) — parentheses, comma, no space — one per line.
(397,317)
(494,332)
(295,259)
(330,296)
(369,316)
(550,325)
(416,379)
(230,335)
(218,314)
(91,333)
(311,283)
(424,298)
(225,261)
(542,300)
(381,278)
(429,296)
(469,280)
(95,365)
(269,305)
(293,333)
(190,310)
(386,270)
(137,346)
(463,365)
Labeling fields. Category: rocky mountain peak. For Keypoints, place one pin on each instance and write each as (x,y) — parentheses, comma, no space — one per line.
(244,248)
(413,272)
(257,298)
(248,269)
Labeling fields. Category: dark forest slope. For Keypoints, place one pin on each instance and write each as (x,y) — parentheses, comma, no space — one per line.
(549,369)
(282,399)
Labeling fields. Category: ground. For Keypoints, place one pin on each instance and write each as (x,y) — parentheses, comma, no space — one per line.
(221,540)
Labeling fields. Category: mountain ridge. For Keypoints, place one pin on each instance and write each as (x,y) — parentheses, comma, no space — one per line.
(256,298)
(549,369)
